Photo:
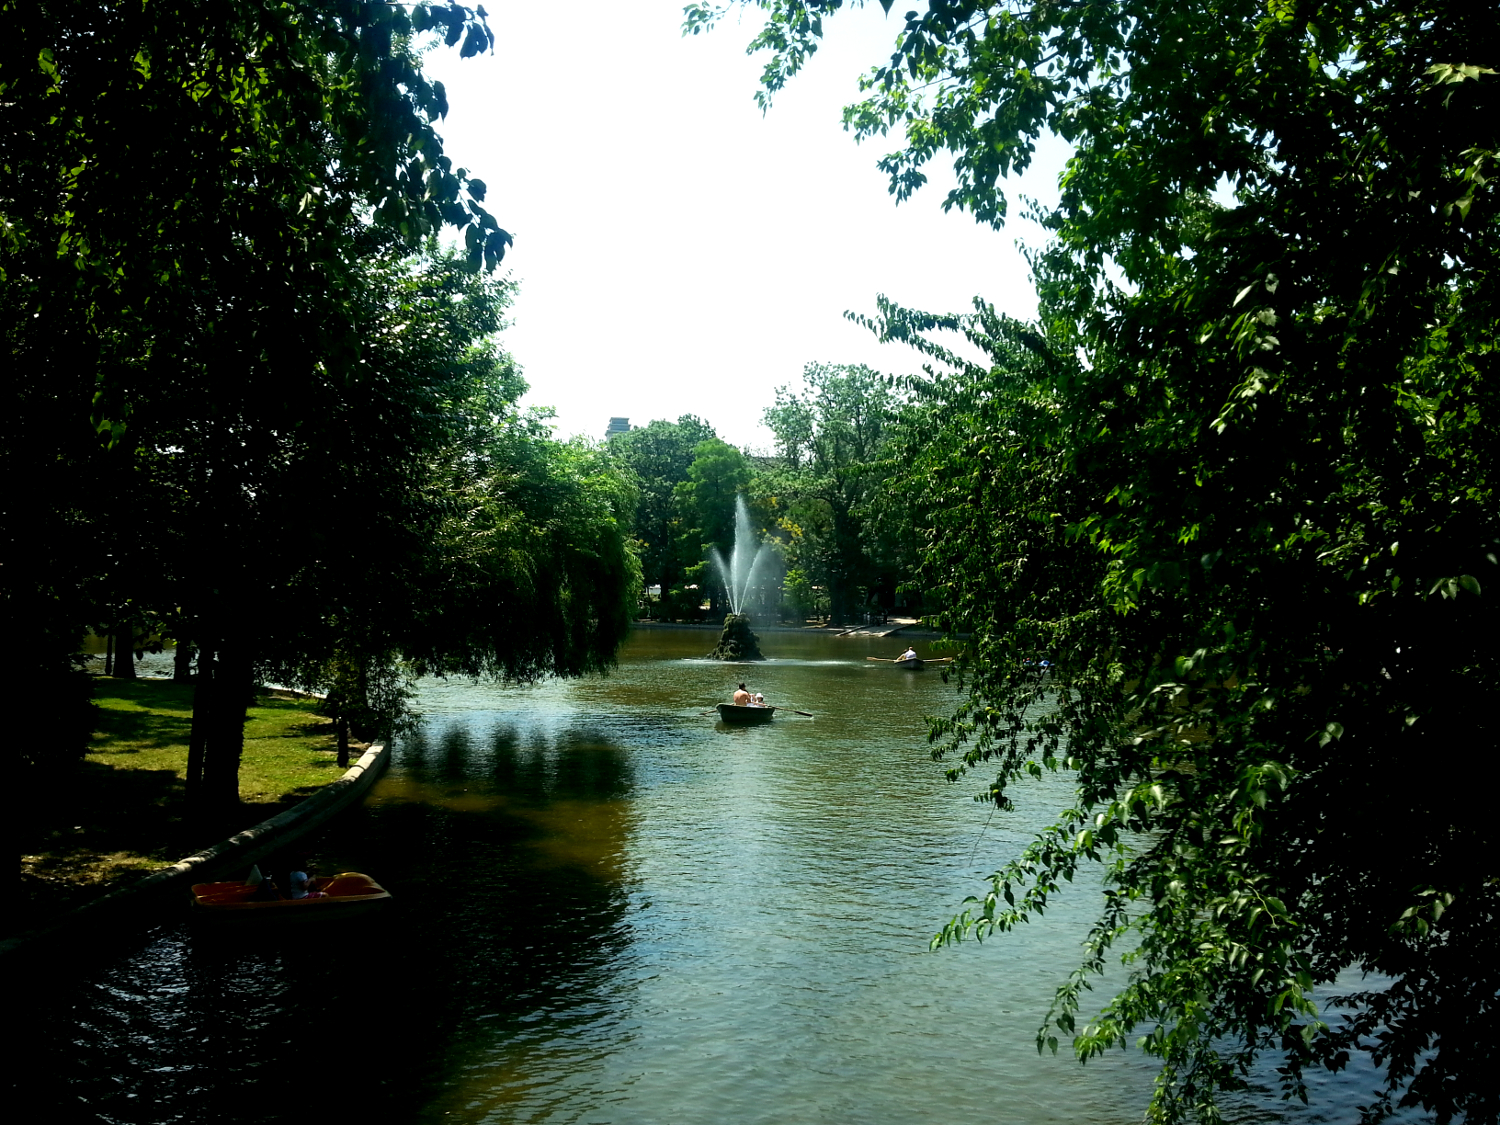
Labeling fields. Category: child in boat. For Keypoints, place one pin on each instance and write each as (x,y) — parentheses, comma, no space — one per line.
(758,701)
(299,885)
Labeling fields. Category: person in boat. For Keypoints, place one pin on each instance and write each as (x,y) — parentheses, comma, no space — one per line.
(298,885)
(742,697)
(261,888)
(266,890)
(909,654)
(758,701)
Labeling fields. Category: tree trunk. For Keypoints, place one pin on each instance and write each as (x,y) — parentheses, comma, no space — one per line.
(182,663)
(838,600)
(232,687)
(109,653)
(342,723)
(202,722)
(125,650)
(844,567)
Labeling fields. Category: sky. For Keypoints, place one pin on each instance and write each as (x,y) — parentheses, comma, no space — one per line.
(679,252)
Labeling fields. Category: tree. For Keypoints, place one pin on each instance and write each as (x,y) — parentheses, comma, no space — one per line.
(536,573)
(190,276)
(717,477)
(503,552)
(659,455)
(1254,525)
(829,440)
(217,314)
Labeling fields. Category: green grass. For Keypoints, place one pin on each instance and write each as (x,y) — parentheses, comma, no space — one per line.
(121,812)
(144,725)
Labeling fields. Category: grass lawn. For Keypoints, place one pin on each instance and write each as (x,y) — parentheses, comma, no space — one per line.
(120,814)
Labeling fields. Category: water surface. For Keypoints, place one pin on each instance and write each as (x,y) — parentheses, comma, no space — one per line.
(611,908)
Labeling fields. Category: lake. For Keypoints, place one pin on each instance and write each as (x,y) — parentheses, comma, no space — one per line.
(610,908)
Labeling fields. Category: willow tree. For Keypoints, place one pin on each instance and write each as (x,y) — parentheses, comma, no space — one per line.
(450,531)
(1260,537)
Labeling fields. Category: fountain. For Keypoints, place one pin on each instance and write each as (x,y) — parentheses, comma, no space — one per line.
(737,642)
(738,575)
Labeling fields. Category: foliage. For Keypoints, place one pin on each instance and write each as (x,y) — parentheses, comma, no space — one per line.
(242,375)
(122,811)
(828,440)
(718,474)
(658,456)
(181,296)
(502,551)
(802,598)
(1239,485)
(535,572)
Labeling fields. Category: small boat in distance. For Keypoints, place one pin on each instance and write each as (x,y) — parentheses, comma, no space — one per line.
(912,664)
(343,895)
(744,716)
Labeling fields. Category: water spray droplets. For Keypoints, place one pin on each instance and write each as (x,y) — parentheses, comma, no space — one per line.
(741,573)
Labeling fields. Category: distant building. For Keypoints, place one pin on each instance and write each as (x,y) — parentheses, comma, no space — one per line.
(617,426)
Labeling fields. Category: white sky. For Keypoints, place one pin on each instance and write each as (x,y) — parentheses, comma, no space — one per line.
(680,253)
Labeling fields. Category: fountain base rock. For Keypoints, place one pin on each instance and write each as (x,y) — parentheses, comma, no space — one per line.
(737,642)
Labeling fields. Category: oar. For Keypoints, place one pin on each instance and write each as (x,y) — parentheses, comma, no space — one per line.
(882,659)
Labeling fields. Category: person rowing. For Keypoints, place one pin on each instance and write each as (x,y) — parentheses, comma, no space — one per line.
(741,697)
(909,654)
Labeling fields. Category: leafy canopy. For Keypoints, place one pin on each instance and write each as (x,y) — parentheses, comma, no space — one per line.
(829,438)
(658,457)
(232,341)
(1238,486)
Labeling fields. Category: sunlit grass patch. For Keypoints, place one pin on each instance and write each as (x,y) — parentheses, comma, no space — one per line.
(121,812)
(146,724)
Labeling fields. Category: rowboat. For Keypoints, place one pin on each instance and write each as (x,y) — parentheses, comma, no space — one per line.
(744,716)
(345,894)
(915,664)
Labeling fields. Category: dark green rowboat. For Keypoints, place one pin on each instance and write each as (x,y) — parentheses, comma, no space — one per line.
(744,716)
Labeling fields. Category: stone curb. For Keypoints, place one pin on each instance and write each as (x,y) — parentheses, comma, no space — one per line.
(241,849)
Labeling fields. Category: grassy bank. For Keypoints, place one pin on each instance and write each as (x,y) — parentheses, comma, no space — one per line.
(120,812)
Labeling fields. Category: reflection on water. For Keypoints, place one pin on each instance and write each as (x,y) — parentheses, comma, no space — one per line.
(611,908)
